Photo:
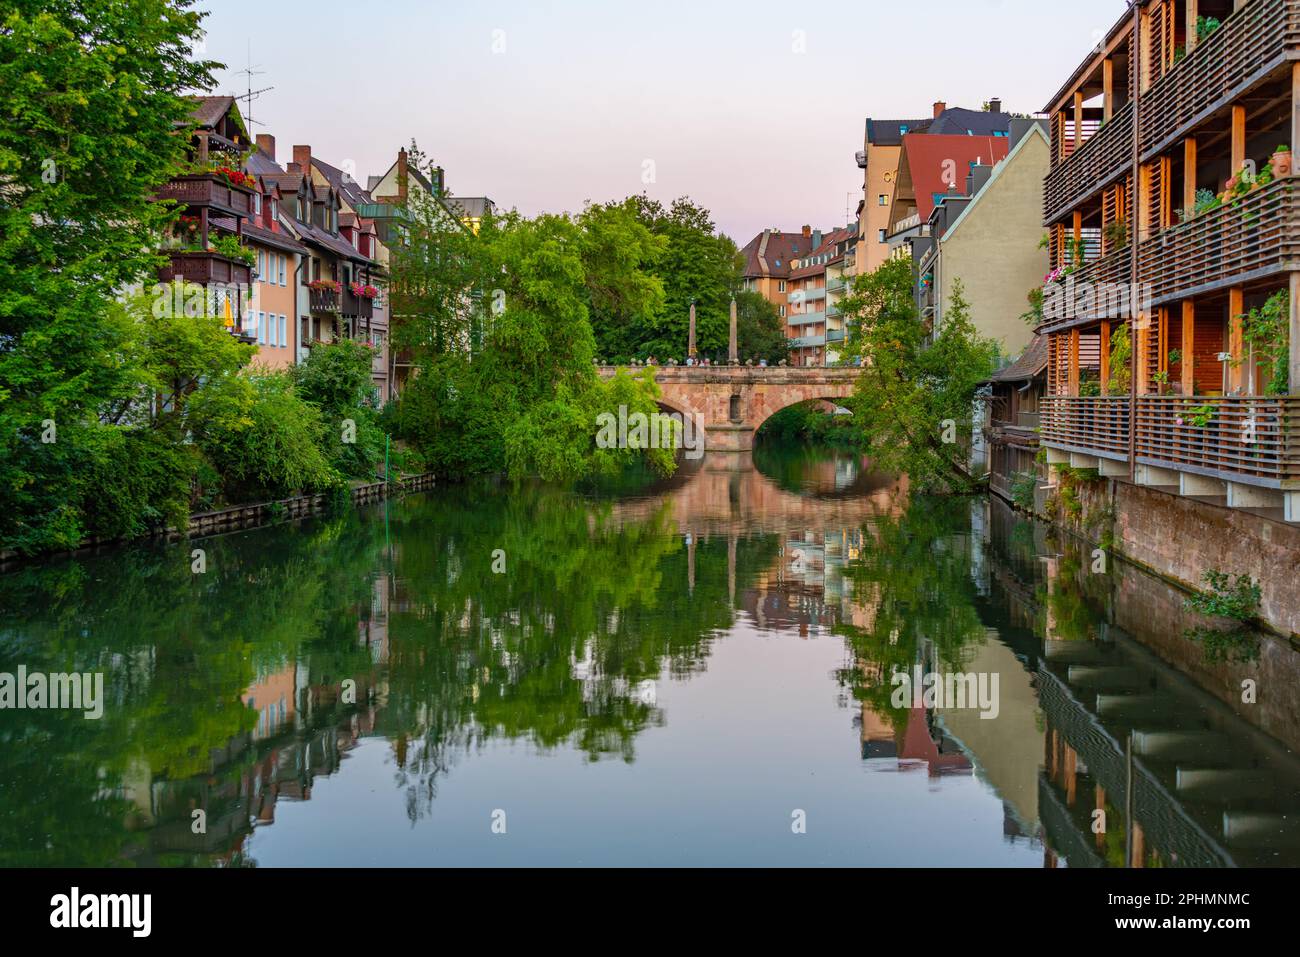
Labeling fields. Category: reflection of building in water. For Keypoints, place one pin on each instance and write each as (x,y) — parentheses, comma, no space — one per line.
(1140,766)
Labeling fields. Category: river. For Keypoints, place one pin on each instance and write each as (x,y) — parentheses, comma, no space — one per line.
(695,671)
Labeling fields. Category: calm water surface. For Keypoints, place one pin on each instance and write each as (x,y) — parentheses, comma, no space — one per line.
(695,671)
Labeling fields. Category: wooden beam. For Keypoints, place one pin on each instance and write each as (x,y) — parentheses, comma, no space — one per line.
(1105,358)
(1078,119)
(1108,88)
(1074,362)
(1141,345)
(1142,204)
(1238,137)
(1190,45)
(1236,339)
(1189,174)
(1295,116)
(1188,347)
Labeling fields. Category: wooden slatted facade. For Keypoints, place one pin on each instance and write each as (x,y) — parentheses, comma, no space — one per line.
(1208,105)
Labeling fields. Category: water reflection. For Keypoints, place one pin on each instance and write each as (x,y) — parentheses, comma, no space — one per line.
(638,673)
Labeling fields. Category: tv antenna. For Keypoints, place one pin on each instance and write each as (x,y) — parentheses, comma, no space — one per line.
(251,94)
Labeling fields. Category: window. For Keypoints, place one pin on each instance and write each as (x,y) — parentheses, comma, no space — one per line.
(261,328)
(884,200)
(781,286)
(282,259)
(783,312)
(284,330)
(261,265)
(257,203)
(880,235)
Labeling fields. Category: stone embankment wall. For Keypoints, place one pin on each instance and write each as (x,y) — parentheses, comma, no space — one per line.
(1179,538)
(264,513)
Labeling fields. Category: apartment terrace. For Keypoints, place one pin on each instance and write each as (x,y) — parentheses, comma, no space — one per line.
(1172,180)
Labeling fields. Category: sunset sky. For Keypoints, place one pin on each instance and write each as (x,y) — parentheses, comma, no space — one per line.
(753,108)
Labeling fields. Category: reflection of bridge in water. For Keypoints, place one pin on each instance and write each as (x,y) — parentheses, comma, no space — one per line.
(820,527)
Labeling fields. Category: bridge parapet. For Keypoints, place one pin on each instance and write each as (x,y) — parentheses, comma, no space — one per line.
(742,375)
(734,401)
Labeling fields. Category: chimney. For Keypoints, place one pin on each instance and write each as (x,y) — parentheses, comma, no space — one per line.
(403,174)
(939,107)
(807,231)
(266,143)
(995,106)
(302,159)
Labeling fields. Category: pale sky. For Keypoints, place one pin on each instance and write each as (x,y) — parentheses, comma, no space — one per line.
(753,108)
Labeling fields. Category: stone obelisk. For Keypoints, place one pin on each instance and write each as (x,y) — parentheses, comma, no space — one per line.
(733,348)
(690,345)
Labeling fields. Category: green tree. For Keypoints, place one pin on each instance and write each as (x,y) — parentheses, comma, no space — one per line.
(437,274)
(760,330)
(94,93)
(914,398)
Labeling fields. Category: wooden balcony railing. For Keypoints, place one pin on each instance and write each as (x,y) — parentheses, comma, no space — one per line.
(1107,155)
(324,300)
(1092,425)
(205,268)
(1250,44)
(1257,236)
(1250,439)
(211,190)
(1097,292)
(357,306)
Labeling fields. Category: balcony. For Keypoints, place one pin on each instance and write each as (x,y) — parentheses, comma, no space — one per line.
(836,285)
(835,335)
(1106,156)
(1252,440)
(1098,290)
(357,306)
(1256,237)
(1089,425)
(324,301)
(805,318)
(809,294)
(205,268)
(806,342)
(211,190)
(1250,44)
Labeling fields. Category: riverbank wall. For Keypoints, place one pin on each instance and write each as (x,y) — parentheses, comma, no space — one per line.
(1181,538)
(251,515)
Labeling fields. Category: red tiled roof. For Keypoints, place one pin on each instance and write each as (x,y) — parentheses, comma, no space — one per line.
(927,155)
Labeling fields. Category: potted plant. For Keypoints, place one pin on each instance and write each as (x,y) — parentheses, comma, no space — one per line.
(1280,161)
(1116,234)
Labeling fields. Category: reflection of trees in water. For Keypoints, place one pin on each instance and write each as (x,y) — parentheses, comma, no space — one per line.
(917,573)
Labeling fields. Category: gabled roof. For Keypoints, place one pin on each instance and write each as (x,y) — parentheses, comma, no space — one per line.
(343,184)
(998,171)
(926,161)
(209,110)
(769,253)
(1031,364)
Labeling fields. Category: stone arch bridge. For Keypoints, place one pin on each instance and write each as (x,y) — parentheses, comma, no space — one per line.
(734,401)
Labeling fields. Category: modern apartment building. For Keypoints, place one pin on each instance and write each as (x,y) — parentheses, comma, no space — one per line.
(768,259)
(1174,215)
(816,285)
(879,160)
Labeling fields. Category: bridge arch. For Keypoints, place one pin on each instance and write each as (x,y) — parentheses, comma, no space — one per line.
(733,401)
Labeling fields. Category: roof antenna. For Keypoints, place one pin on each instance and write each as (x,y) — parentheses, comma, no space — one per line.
(248,73)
